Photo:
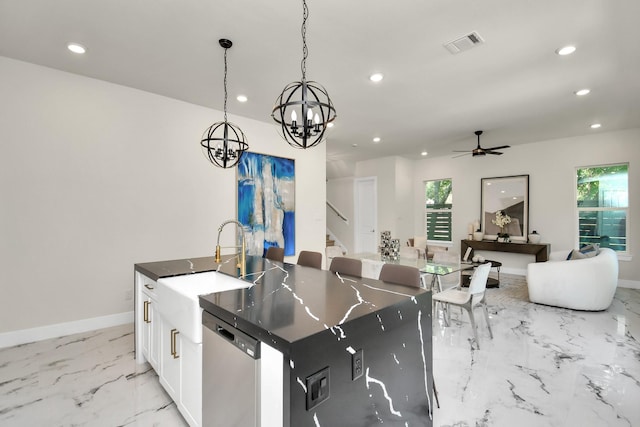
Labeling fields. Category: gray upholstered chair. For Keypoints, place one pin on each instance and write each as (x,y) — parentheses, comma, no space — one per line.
(346,266)
(400,275)
(275,254)
(310,259)
(469,298)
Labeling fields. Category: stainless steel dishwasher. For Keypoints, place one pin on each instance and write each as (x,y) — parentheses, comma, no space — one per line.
(230,375)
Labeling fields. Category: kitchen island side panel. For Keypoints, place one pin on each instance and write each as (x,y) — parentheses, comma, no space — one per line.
(396,385)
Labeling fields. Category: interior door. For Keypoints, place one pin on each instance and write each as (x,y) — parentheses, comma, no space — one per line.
(366,215)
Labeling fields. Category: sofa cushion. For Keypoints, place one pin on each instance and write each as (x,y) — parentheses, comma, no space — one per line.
(590,250)
(587,251)
(575,254)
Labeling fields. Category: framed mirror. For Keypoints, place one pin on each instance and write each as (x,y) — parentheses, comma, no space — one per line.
(509,195)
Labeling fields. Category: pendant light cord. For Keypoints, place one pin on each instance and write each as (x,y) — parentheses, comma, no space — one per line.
(225,84)
(305,50)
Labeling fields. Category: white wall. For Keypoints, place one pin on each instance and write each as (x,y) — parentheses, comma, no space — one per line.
(404,198)
(551,168)
(95,177)
(394,185)
(340,194)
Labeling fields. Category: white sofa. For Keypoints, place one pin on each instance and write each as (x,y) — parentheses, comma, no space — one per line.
(580,284)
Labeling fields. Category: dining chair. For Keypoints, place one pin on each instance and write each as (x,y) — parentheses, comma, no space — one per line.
(347,266)
(451,280)
(275,254)
(419,242)
(400,275)
(469,298)
(409,252)
(310,259)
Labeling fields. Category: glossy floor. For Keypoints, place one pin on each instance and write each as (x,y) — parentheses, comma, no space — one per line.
(545,366)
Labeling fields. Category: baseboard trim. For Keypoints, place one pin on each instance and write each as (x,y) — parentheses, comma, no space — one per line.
(630,284)
(24,336)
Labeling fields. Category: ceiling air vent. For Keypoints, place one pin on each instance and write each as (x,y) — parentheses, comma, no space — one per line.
(464,43)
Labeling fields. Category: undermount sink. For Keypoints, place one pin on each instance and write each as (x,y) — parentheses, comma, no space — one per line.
(178,299)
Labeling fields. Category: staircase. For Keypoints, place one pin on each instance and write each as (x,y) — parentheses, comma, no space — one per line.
(330,242)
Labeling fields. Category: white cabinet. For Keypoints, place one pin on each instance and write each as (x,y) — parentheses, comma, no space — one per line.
(191,381)
(180,372)
(170,360)
(147,322)
(169,333)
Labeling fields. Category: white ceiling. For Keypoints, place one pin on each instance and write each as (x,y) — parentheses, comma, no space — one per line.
(514,86)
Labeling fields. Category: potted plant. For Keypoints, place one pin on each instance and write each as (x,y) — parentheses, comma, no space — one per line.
(501,220)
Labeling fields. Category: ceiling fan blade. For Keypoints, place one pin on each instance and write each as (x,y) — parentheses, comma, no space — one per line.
(460,155)
(462,151)
(498,148)
(492,152)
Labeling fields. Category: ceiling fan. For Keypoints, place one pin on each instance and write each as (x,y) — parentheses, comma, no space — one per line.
(479,151)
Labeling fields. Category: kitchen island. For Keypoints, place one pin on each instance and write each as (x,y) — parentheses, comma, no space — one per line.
(334,351)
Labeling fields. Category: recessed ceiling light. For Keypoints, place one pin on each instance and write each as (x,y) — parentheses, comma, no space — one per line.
(354,145)
(596,126)
(376,139)
(582,92)
(566,50)
(76,48)
(242,98)
(330,124)
(376,77)
(424,153)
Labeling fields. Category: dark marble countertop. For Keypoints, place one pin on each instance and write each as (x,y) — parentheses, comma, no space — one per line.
(179,267)
(287,303)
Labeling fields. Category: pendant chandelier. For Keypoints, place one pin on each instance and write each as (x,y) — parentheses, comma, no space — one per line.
(224,143)
(305,100)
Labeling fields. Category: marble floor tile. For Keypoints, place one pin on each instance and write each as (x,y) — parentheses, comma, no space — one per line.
(545,366)
(88,379)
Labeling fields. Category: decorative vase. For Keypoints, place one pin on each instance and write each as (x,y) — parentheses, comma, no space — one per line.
(534,238)
(478,235)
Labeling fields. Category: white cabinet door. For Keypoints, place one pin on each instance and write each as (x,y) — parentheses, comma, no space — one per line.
(191,381)
(170,354)
(145,326)
(154,335)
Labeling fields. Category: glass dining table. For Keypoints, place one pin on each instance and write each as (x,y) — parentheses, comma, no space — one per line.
(372,265)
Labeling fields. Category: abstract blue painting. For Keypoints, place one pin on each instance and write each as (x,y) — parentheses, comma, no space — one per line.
(266,202)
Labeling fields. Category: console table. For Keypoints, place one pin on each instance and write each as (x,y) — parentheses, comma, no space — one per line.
(540,250)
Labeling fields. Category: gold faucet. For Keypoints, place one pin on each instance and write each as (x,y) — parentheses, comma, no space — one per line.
(242,260)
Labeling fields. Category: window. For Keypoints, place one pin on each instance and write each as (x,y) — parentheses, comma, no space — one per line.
(603,204)
(439,207)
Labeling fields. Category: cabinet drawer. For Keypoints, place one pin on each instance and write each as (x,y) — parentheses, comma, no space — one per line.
(148,286)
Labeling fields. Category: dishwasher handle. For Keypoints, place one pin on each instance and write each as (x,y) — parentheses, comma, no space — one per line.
(245,343)
(225,333)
